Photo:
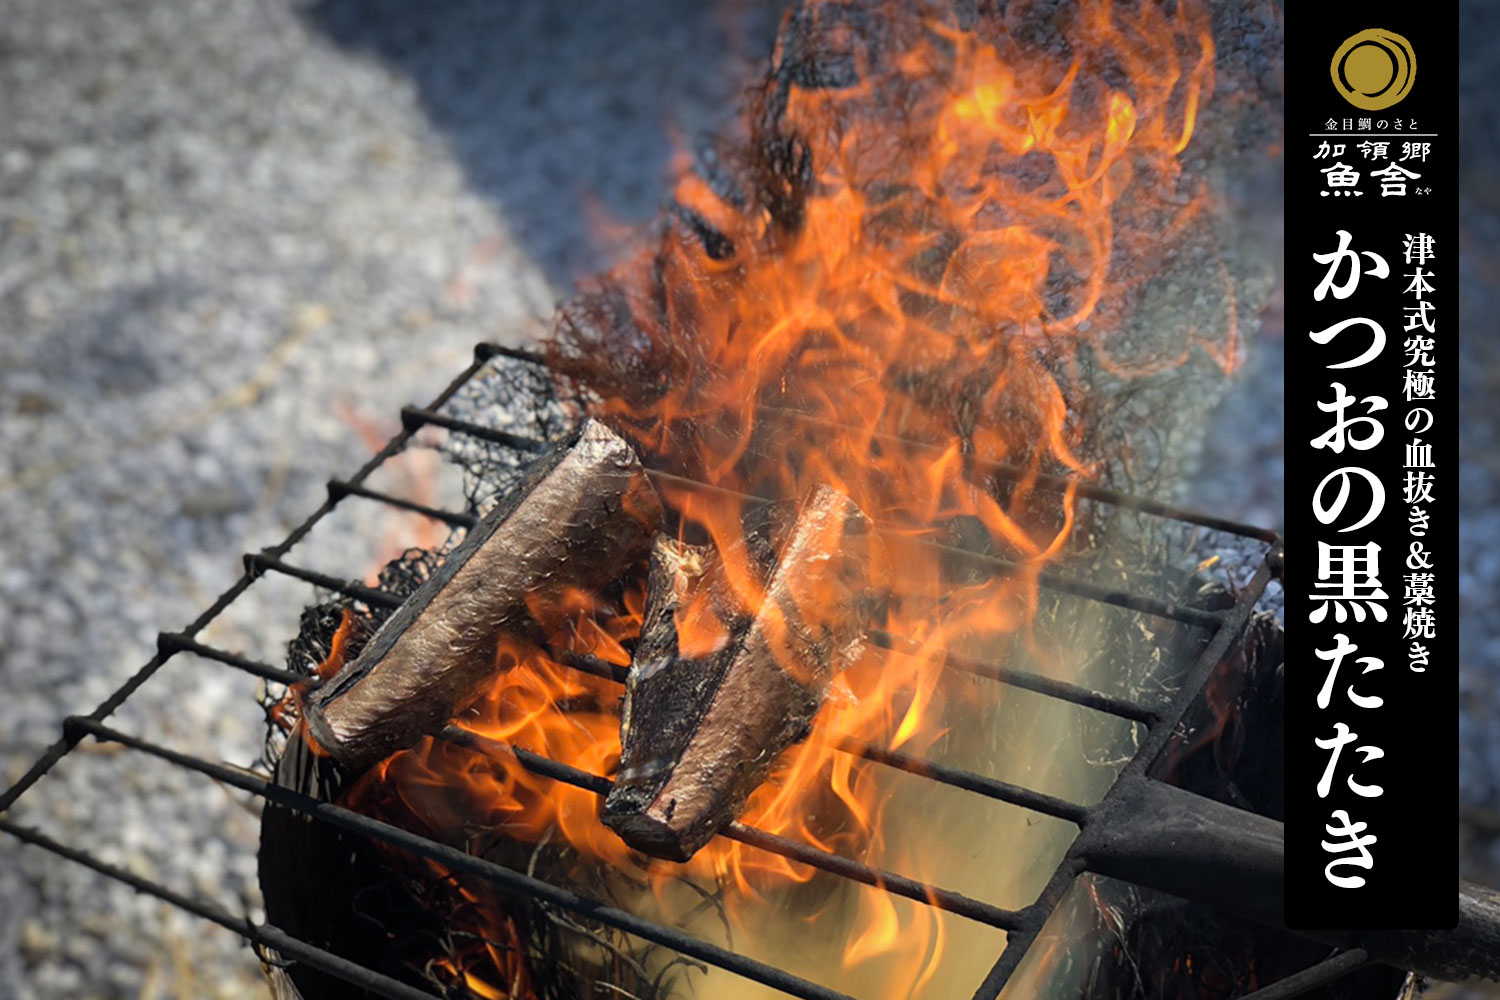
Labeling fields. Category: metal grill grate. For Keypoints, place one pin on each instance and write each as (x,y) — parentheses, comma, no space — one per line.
(1157,724)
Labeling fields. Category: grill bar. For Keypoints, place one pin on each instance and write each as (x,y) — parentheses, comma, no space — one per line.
(414,418)
(507,878)
(259,562)
(1330,970)
(1025,679)
(1002,791)
(260,935)
(1055,483)
(176,642)
(1037,683)
(990,787)
(340,488)
(942,899)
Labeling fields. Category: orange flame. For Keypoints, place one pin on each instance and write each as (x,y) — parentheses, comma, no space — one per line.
(894,292)
(285,712)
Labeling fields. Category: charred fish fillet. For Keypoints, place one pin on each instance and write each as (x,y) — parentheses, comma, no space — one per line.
(718,690)
(585,513)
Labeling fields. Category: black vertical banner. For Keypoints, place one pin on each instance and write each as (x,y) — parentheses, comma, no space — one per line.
(1372,475)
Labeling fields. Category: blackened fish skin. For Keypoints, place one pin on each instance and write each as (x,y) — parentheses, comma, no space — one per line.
(702,733)
(585,514)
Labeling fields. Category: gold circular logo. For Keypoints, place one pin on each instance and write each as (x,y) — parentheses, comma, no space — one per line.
(1374,69)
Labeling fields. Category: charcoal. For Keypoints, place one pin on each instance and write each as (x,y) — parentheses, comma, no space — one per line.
(718,690)
(583,516)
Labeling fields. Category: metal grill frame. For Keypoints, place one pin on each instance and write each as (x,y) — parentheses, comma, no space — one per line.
(1022,926)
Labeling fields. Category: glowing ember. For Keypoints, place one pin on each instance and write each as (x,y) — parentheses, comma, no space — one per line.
(889,287)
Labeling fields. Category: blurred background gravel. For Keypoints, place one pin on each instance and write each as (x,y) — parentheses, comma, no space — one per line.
(234,239)
(235,236)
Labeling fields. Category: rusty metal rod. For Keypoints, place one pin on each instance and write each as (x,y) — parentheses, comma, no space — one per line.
(264,935)
(1062,690)
(942,899)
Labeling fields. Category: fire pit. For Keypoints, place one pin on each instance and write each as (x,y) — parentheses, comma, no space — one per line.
(817,484)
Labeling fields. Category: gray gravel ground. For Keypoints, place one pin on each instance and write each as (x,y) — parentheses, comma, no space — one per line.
(234,237)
